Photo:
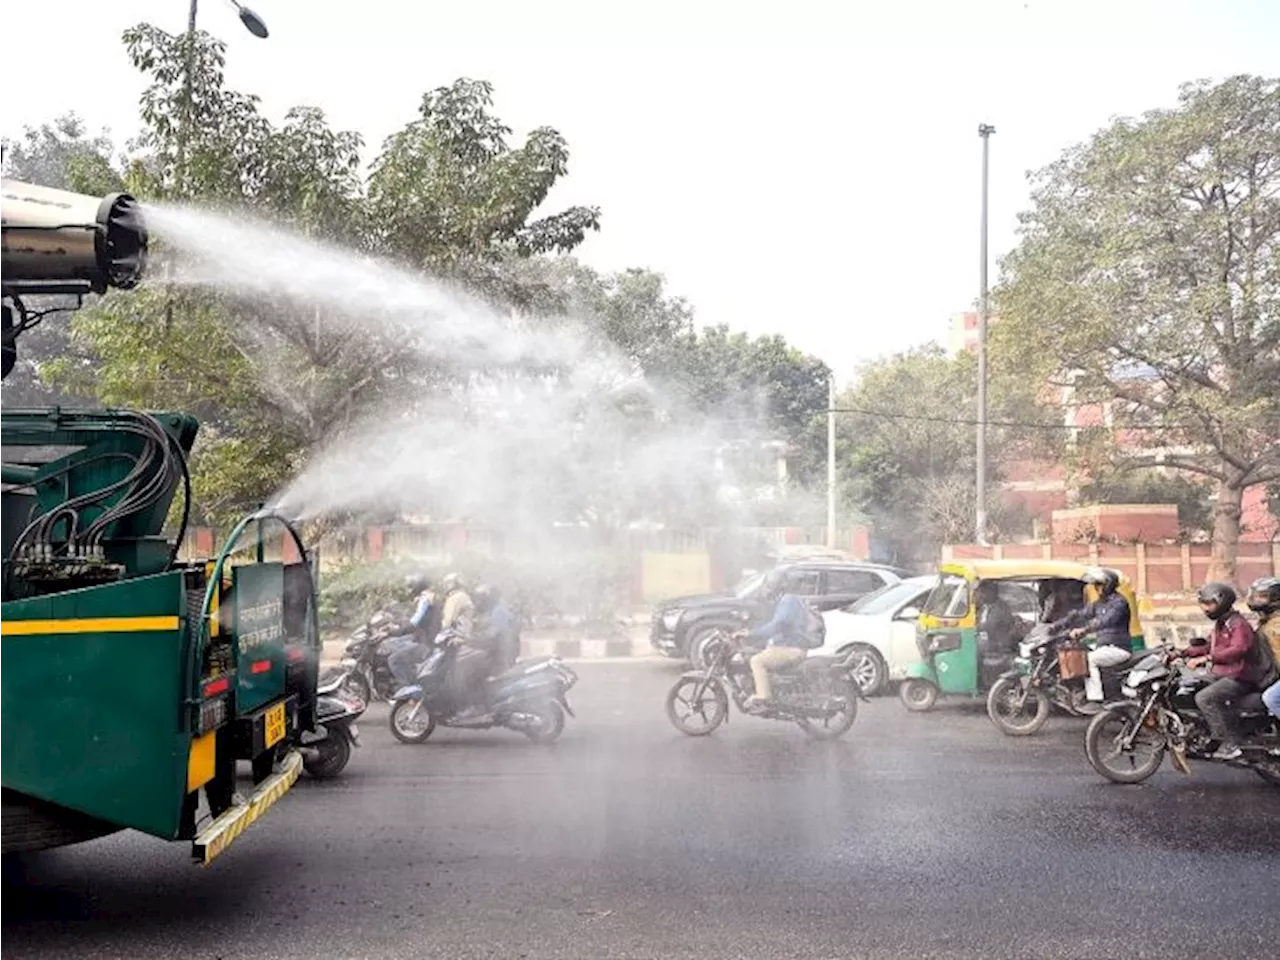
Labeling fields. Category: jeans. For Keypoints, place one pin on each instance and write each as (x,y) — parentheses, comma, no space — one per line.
(772,658)
(1104,656)
(404,663)
(1271,697)
(1214,701)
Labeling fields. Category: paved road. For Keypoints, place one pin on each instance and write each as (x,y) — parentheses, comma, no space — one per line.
(918,836)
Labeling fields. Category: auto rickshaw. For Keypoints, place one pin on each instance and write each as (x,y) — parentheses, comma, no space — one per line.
(955,659)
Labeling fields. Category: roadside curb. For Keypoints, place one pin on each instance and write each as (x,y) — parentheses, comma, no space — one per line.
(544,645)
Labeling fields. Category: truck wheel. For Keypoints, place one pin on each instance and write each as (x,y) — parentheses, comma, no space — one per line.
(30,824)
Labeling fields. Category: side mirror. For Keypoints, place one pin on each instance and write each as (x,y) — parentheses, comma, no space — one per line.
(908,613)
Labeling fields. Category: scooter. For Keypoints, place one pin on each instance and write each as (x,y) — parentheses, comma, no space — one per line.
(326,752)
(365,658)
(530,698)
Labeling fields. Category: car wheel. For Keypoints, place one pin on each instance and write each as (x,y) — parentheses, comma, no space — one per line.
(699,641)
(868,669)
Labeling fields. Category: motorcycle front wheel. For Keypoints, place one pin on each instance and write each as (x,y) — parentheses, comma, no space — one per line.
(330,758)
(411,721)
(1012,718)
(697,712)
(1102,745)
(357,685)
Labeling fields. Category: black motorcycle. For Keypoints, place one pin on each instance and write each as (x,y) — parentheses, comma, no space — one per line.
(1127,741)
(819,694)
(1019,702)
(364,667)
(325,752)
(530,698)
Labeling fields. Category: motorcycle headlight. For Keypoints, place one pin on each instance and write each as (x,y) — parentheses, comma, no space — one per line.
(671,618)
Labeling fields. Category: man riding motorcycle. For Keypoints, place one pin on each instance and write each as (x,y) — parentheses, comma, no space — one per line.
(1107,618)
(423,625)
(783,637)
(497,629)
(1237,663)
(1264,600)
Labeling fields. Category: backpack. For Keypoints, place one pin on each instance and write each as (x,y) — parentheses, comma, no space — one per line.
(815,628)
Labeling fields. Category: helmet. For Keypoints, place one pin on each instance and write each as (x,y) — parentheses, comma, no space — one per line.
(1264,595)
(1216,599)
(450,582)
(484,597)
(416,583)
(1105,580)
(775,582)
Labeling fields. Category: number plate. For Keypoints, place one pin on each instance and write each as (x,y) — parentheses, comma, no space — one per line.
(275,724)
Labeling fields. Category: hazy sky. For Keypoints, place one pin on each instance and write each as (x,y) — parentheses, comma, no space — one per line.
(805,167)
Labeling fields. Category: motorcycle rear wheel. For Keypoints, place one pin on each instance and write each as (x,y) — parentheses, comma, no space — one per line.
(1026,722)
(402,712)
(550,722)
(1097,745)
(331,756)
(712,704)
(836,726)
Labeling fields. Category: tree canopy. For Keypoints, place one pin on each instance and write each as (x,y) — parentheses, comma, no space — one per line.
(1147,278)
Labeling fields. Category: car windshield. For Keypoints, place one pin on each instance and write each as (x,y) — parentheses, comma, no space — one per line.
(950,598)
(884,599)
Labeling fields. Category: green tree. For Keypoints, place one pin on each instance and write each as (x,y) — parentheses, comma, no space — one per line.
(906,449)
(273,381)
(1147,277)
(61,154)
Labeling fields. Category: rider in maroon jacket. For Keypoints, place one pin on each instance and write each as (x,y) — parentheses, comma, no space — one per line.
(1232,649)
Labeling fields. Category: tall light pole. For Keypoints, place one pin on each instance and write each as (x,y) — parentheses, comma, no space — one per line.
(831,462)
(984,131)
(253,23)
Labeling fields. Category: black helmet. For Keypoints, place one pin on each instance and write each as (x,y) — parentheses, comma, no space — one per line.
(1216,599)
(416,583)
(1105,580)
(1264,595)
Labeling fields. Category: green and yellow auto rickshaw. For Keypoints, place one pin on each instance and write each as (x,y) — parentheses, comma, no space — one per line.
(958,659)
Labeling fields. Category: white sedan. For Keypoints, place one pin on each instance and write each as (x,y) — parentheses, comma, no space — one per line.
(882,626)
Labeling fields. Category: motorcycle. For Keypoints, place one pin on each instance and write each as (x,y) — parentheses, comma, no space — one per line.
(364,666)
(819,694)
(325,752)
(1127,741)
(1020,700)
(530,698)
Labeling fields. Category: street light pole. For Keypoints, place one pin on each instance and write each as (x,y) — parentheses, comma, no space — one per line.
(831,462)
(984,131)
(253,23)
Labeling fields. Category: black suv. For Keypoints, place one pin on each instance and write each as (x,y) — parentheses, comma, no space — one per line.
(682,624)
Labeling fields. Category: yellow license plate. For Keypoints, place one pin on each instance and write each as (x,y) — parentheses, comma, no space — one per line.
(275,724)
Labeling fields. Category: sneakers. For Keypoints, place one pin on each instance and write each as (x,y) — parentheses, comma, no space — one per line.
(1227,751)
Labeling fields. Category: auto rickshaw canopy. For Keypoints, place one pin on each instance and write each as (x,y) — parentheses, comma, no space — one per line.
(977,571)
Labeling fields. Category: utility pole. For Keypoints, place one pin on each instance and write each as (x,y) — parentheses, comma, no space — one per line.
(831,462)
(984,131)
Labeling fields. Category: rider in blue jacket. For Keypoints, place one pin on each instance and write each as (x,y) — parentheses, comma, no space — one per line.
(783,637)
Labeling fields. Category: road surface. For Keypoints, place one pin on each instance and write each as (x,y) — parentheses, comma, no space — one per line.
(917,836)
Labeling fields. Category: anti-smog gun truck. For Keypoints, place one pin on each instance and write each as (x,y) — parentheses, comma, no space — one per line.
(134,683)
